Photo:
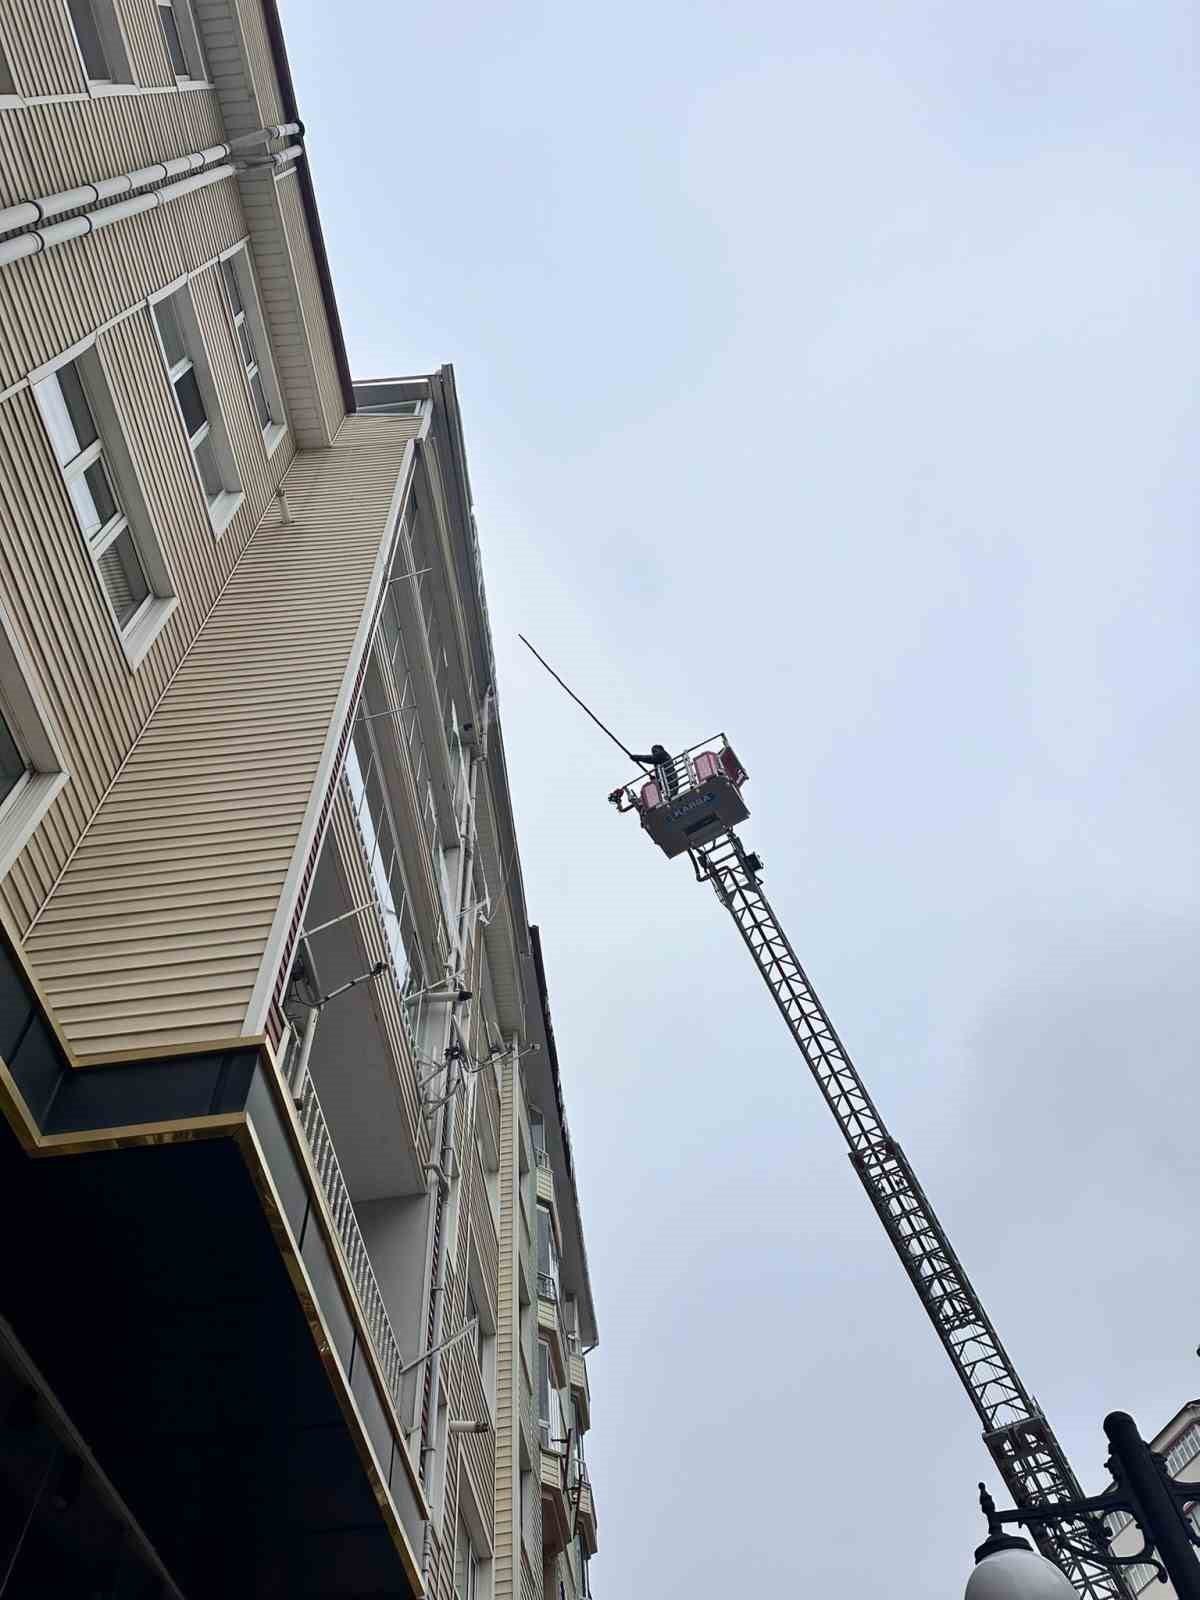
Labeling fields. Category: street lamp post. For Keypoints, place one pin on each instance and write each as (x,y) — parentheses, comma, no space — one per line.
(1007,1569)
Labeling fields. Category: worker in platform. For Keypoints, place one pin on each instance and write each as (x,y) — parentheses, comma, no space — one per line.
(665,767)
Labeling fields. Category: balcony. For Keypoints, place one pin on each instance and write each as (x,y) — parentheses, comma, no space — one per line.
(221,1220)
(350,1239)
(556,1498)
(584,1506)
(545,1178)
(550,1326)
(373,1111)
(580,1389)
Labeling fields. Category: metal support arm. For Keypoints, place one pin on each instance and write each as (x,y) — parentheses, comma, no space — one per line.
(1143,1488)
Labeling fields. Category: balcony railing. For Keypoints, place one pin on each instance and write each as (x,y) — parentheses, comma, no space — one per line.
(543,1159)
(546,1287)
(350,1236)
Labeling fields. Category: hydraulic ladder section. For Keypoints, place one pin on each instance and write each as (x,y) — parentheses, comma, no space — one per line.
(1022,1444)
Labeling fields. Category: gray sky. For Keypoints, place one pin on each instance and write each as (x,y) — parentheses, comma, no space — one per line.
(829,377)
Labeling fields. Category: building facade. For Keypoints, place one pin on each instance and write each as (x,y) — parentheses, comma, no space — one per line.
(1178,1443)
(297,1302)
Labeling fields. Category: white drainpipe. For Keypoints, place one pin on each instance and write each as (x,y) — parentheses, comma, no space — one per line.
(53,205)
(33,243)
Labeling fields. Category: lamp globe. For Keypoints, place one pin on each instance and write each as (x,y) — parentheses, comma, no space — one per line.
(1007,1569)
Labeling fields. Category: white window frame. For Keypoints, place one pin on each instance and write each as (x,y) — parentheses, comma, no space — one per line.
(26,710)
(112,42)
(251,320)
(188,31)
(222,508)
(141,629)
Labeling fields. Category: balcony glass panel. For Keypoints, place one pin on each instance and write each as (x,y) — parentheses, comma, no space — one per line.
(383,854)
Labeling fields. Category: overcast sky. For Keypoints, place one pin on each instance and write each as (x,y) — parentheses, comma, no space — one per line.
(829,377)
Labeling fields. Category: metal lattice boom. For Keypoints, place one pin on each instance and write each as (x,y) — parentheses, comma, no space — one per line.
(1022,1444)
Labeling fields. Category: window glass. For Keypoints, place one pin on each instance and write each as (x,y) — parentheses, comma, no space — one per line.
(232,287)
(210,473)
(543,1387)
(547,1252)
(7,86)
(13,765)
(191,402)
(249,338)
(191,379)
(167,318)
(91,482)
(123,577)
(366,794)
(66,411)
(262,409)
(170,28)
(473,1316)
(91,43)
(93,498)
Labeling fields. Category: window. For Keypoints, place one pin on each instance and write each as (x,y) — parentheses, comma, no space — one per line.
(99,511)
(581,1558)
(7,86)
(466,1566)
(547,1255)
(545,1388)
(473,1316)
(551,1423)
(15,766)
(31,763)
(184,46)
(1184,1450)
(99,39)
(379,840)
(196,398)
(251,335)
(537,1133)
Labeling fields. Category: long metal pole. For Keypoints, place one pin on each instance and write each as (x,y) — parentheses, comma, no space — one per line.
(1161,1519)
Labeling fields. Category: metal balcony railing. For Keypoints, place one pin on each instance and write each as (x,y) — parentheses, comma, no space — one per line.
(546,1287)
(353,1245)
(543,1159)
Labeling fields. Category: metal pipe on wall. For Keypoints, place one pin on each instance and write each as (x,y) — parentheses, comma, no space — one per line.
(53,205)
(39,239)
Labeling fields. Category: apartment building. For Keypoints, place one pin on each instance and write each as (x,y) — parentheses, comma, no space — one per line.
(1178,1443)
(295,1299)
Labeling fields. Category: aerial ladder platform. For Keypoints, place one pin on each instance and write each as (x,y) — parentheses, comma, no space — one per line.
(692,804)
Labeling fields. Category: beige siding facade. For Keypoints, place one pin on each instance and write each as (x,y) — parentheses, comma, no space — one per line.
(280,786)
(97,289)
(222,776)
(304,274)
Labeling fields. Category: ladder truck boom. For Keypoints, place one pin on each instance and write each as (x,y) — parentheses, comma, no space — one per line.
(693,804)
